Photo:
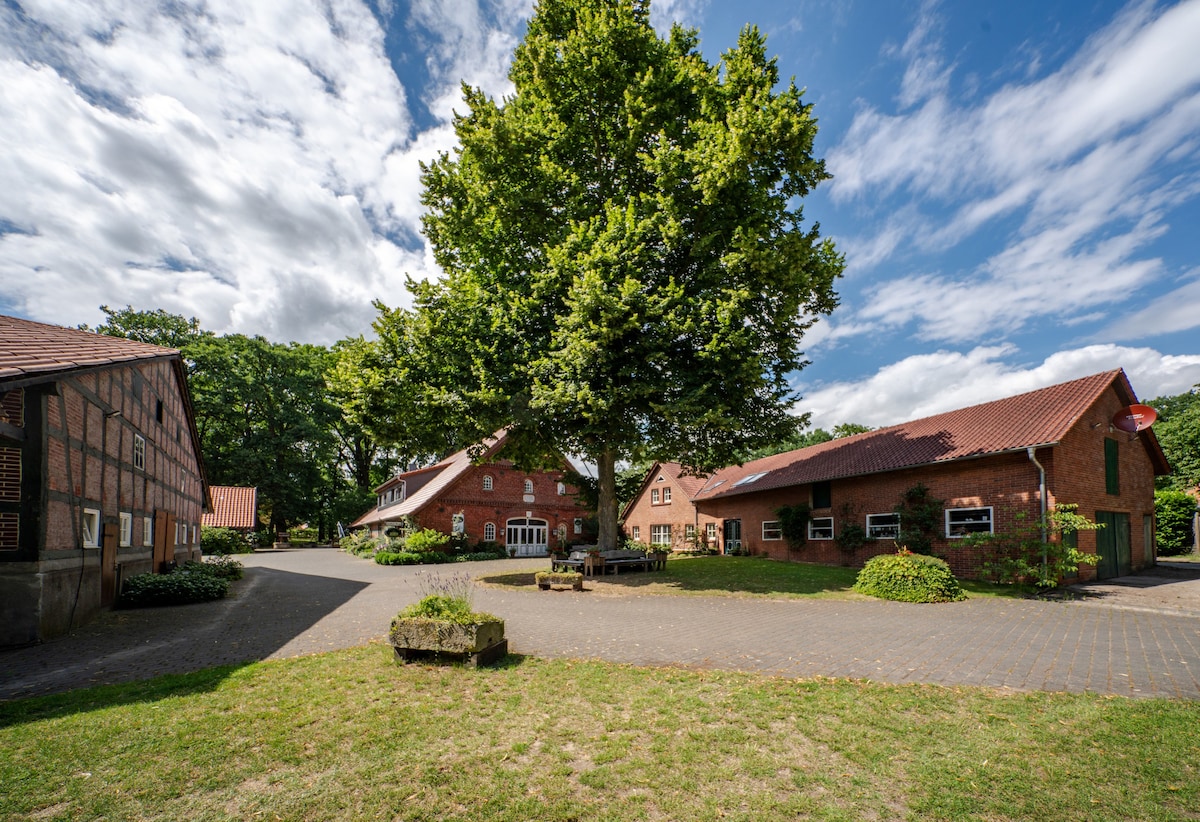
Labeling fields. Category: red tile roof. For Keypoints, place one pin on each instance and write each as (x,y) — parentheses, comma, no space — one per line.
(233,507)
(1036,418)
(33,349)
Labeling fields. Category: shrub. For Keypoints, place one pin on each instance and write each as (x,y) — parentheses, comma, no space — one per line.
(360,543)
(434,557)
(302,533)
(223,567)
(180,587)
(480,556)
(221,541)
(920,519)
(1019,555)
(908,577)
(425,540)
(397,558)
(1174,512)
(445,608)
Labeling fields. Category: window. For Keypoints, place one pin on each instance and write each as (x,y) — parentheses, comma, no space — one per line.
(660,534)
(963,521)
(661,478)
(91,528)
(180,533)
(126,530)
(883,526)
(749,478)
(771,531)
(528,486)
(822,494)
(689,532)
(158,410)
(195,534)
(562,489)
(1112,477)
(710,533)
(820,528)
(654,498)
(489,532)
(635,532)
(666,495)
(458,524)
(487,482)
(578,525)
(139,452)
(147,531)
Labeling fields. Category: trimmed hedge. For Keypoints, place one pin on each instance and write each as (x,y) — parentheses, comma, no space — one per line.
(908,577)
(221,541)
(180,587)
(480,556)
(223,567)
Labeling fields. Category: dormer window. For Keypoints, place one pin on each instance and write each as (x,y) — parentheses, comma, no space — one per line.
(487,482)
(528,486)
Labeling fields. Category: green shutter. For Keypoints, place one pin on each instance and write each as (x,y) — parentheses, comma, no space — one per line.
(1112,482)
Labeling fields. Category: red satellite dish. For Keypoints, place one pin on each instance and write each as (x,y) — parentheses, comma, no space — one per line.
(1134,418)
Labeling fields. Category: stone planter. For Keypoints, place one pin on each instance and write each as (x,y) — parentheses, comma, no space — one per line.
(476,643)
(547,579)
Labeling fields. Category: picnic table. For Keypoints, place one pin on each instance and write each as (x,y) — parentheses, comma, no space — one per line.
(591,563)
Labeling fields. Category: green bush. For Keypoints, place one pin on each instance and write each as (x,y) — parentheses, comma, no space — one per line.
(223,567)
(221,541)
(480,556)
(302,533)
(179,587)
(908,577)
(1174,512)
(434,557)
(360,543)
(398,558)
(425,540)
(445,608)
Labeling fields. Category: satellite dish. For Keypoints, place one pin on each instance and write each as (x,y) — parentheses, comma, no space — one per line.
(1134,418)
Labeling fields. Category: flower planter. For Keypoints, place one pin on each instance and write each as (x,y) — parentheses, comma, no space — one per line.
(476,643)
(547,579)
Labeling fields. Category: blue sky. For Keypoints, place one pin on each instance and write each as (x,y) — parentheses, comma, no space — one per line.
(1016,185)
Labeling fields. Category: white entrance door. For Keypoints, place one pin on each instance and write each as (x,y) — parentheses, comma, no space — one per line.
(528,537)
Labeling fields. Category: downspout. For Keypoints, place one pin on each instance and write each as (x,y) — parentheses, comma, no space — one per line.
(1042,496)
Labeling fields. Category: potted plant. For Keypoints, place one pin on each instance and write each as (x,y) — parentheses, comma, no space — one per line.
(547,579)
(443,623)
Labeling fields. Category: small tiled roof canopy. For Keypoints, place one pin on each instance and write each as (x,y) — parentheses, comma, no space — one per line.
(33,352)
(1034,419)
(233,507)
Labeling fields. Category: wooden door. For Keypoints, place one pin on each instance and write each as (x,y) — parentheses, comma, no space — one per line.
(1112,544)
(108,567)
(164,539)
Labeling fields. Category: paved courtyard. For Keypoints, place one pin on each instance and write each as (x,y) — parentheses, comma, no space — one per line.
(1138,636)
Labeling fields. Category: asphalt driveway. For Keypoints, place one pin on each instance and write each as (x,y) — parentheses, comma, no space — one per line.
(1139,636)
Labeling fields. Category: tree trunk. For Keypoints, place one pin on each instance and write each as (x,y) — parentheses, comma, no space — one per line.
(606,506)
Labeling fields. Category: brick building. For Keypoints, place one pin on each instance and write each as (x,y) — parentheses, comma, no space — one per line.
(232,506)
(100,472)
(662,512)
(487,499)
(988,463)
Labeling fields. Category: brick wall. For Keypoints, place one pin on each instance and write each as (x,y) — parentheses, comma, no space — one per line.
(679,514)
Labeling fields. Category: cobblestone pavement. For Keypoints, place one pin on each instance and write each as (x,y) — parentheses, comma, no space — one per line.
(1133,637)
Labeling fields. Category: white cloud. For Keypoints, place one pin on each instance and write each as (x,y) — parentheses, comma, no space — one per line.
(1177,310)
(1092,155)
(927,384)
(686,13)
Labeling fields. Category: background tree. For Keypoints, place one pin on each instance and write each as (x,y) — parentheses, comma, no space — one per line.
(628,276)
(1175,519)
(1178,432)
(155,326)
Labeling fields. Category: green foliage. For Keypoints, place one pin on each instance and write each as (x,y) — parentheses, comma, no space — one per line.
(399,558)
(908,577)
(920,519)
(1174,514)
(157,327)
(224,567)
(220,541)
(445,608)
(481,556)
(180,587)
(793,522)
(301,533)
(425,540)
(849,429)
(360,543)
(852,537)
(628,272)
(1019,555)
(1178,432)
(558,577)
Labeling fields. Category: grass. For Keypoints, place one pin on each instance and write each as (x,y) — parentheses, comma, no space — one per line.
(739,577)
(352,735)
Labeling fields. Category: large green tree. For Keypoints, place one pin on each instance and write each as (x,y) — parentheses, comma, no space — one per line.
(628,273)
(1178,432)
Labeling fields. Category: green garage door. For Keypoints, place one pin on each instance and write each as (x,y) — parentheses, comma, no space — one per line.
(1112,544)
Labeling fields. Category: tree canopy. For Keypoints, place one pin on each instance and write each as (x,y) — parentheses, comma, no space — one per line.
(1178,432)
(628,275)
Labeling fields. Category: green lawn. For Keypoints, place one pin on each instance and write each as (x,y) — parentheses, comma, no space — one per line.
(738,576)
(352,735)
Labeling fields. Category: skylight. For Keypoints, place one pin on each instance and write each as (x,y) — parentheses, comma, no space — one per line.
(749,478)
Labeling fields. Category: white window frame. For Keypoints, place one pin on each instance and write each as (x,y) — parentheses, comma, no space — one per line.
(488,483)
(489,532)
(147,532)
(90,529)
(654,496)
(660,534)
(528,486)
(710,532)
(578,526)
(689,532)
(195,534)
(139,452)
(562,489)
(968,524)
(883,530)
(772,531)
(820,532)
(126,529)
(635,532)
(458,523)
(666,496)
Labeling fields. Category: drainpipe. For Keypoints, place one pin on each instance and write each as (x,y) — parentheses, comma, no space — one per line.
(1042,496)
